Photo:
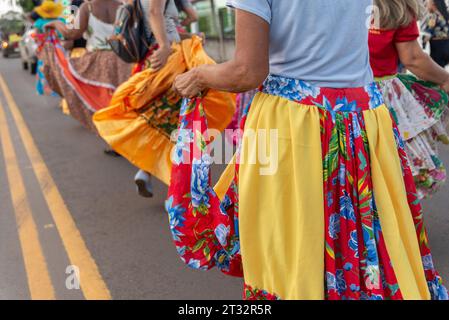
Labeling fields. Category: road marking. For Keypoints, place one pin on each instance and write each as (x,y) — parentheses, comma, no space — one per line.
(38,277)
(91,281)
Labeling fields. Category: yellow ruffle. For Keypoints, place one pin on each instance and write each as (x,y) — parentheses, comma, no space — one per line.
(125,129)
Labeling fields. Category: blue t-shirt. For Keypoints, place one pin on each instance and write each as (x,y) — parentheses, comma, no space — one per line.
(324,42)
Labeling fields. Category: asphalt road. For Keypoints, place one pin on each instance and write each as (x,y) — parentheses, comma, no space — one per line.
(66,203)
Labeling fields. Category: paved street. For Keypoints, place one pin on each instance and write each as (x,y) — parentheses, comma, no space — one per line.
(105,224)
(63,202)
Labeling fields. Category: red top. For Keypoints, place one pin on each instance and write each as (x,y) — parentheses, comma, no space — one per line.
(384,57)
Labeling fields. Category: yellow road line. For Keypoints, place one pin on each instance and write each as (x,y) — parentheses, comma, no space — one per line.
(39,281)
(91,281)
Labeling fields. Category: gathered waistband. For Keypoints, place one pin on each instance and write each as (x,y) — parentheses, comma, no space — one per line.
(331,99)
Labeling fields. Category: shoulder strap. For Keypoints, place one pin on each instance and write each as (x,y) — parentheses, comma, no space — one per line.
(166,5)
(138,4)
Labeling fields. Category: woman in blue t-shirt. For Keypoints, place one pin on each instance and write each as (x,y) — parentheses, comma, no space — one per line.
(327,204)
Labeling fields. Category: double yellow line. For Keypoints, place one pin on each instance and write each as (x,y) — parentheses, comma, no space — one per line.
(39,280)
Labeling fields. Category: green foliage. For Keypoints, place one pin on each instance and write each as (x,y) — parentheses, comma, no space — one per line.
(11,22)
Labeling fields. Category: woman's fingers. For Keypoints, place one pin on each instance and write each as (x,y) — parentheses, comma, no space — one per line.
(188,91)
(155,63)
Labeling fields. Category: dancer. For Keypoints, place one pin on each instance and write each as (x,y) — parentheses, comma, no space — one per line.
(191,15)
(417,107)
(77,49)
(165,33)
(339,218)
(144,111)
(47,12)
(87,82)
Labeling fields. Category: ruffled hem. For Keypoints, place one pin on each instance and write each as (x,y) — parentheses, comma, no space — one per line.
(72,79)
(253,294)
(437,290)
(419,109)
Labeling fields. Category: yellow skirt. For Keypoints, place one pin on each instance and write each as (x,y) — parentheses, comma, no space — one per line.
(319,204)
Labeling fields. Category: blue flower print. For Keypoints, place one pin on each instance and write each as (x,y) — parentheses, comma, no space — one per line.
(376,98)
(184,138)
(226,203)
(428,263)
(196,264)
(334,226)
(341,282)
(354,288)
(200,181)
(356,129)
(222,233)
(291,89)
(398,137)
(437,290)
(354,244)
(176,218)
(222,260)
(343,105)
(347,208)
(342,175)
(348,266)
(331,281)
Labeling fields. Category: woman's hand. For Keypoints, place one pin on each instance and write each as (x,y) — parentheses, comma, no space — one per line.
(56,25)
(189,84)
(160,57)
(51,25)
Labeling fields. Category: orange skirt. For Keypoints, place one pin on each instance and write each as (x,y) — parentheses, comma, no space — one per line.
(144,111)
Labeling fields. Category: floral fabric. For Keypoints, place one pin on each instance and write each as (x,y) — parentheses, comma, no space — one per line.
(42,85)
(418,109)
(204,231)
(435,26)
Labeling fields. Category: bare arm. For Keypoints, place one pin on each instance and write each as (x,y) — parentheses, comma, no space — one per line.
(157,8)
(421,64)
(81,25)
(246,71)
(160,57)
(192,16)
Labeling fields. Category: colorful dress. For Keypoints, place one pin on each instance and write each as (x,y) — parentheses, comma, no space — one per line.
(341,148)
(41,38)
(88,81)
(435,29)
(418,108)
(144,112)
(319,202)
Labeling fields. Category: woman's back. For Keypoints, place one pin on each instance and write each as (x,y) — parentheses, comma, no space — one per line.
(102,15)
(324,42)
(105,10)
